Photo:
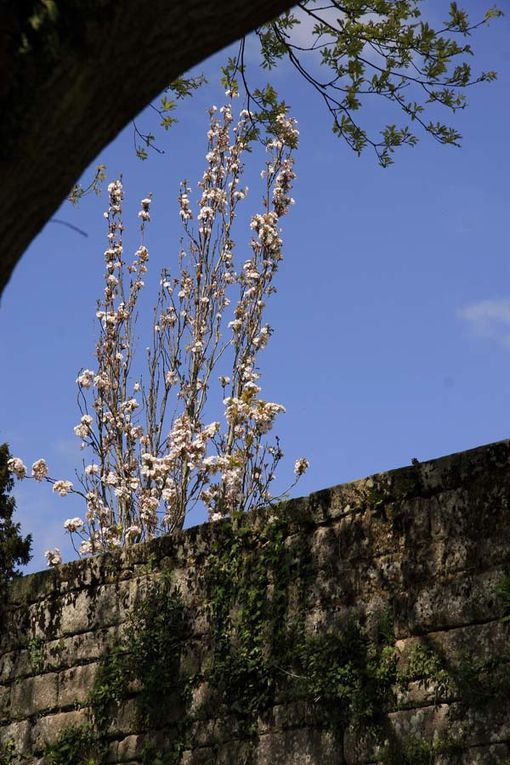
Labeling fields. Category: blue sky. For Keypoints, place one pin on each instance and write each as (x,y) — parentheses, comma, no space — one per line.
(392,317)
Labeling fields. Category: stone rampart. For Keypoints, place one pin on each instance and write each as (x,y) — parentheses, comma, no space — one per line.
(362,624)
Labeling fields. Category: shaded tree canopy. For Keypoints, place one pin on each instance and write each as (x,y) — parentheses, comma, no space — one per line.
(74,72)
(14,548)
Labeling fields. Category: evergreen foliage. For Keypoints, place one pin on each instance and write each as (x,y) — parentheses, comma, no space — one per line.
(14,548)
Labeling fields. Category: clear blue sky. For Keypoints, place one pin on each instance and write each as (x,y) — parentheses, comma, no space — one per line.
(392,318)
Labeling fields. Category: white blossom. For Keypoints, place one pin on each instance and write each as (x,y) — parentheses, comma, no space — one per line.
(85,378)
(15,465)
(53,557)
(62,487)
(85,547)
(301,466)
(111,479)
(141,480)
(83,429)
(39,470)
(73,524)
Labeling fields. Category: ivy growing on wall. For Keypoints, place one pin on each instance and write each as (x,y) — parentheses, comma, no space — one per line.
(261,650)
(260,654)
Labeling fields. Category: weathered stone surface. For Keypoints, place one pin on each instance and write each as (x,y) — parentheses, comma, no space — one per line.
(479,642)
(19,733)
(205,733)
(420,693)
(77,613)
(5,704)
(199,756)
(47,729)
(74,684)
(480,755)
(455,603)
(86,647)
(422,722)
(33,695)
(305,746)
(89,609)
(295,714)
(127,719)
(127,749)
(424,547)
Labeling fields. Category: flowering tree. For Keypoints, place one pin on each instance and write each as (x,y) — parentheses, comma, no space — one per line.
(155,450)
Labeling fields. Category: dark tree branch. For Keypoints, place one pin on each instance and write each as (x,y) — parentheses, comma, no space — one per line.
(69,84)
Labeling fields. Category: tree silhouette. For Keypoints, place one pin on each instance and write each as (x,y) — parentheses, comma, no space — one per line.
(14,548)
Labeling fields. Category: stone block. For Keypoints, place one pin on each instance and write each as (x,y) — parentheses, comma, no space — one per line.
(5,704)
(43,619)
(91,608)
(361,746)
(422,722)
(30,589)
(204,702)
(420,693)
(191,658)
(127,719)
(305,746)
(20,733)
(77,612)
(46,730)
(477,643)
(204,733)
(75,684)
(129,748)
(111,604)
(68,651)
(495,754)
(233,752)
(128,594)
(459,602)
(324,546)
(343,500)
(34,695)
(8,666)
(200,756)
(481,724)
(295,714)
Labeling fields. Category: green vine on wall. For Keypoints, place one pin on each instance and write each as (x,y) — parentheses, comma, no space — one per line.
(255,580)
(263,652)
(255,584)
(79,745)
(146,657)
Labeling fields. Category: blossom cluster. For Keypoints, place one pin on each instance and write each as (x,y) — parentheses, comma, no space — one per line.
(155,450)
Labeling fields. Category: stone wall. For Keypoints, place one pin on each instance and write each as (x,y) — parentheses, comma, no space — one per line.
(364,623)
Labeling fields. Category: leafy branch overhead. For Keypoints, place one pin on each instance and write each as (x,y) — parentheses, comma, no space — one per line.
(351,50)
(179,89)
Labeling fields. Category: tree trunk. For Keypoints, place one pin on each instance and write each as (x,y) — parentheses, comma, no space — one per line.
(70,82)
